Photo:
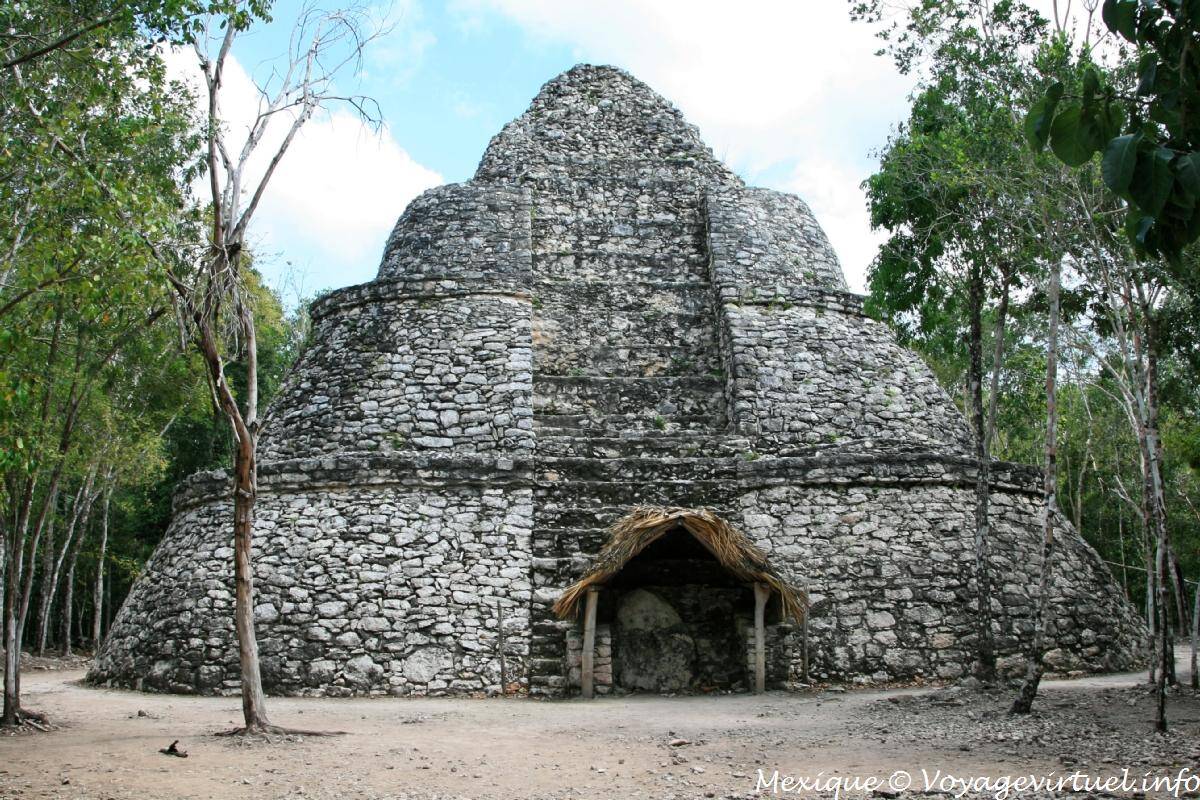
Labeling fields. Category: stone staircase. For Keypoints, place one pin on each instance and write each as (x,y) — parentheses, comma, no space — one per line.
(628,391)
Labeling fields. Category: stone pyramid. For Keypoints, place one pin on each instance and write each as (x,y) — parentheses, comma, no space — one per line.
(604,316)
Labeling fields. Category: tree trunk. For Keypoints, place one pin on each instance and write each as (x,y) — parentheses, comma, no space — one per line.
(98,587)
(1153,445)
(1179,587)
(1195,634)
(68,602)
(12,691)
(13,713)
(46,589)
(53,559)
(14,548)
(997,359)
(1035,667)
(986,669)
(81,508)
(1151,615)
(245,492)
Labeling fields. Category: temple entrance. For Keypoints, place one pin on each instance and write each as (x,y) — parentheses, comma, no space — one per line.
(678,601)
(679,620)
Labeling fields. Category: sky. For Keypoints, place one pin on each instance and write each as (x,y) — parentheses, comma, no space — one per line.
(789,93)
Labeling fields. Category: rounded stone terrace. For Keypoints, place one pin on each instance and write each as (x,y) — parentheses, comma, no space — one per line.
(604,316)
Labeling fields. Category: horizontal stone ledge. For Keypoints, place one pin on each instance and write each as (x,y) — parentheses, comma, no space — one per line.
(362,469)
(424,287)
(807,296)
(887,469)
(735,473)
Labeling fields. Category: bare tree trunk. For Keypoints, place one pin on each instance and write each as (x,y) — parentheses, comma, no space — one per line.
(14,547)
(1195,634)
(12,691)
(1179,591)
(1124,558)
(68,602)
(986,669)
(1150,608)
(1035,667)
(80,508)
(997,358)
(1144,396)
(1153,447)
(98,587)
(304,87)
(245,492)
(45,590)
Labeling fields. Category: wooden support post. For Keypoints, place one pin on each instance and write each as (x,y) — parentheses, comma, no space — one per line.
(500,646)
(761,594)
(804,642)
(588,667)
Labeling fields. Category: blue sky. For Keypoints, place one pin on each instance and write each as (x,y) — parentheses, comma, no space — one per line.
(789,93)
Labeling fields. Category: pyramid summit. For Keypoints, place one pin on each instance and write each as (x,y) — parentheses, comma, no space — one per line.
(606,318)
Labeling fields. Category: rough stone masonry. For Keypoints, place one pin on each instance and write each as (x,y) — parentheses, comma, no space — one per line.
(604,316)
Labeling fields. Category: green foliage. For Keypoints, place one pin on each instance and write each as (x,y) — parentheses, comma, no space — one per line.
(1149,136)
(98,151)
(961,193)
(956,187)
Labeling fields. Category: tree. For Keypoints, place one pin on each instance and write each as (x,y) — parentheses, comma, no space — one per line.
(945,164)
(954,189)
(75,286)
(1034,665)
(215,303)
(81,23)
(1150,136)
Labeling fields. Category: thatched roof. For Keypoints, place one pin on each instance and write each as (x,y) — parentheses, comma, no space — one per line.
(643,525)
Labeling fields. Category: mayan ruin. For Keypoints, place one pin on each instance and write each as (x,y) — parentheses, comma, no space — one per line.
(604,317)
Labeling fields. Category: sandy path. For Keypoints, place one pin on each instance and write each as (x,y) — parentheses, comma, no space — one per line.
(514,748)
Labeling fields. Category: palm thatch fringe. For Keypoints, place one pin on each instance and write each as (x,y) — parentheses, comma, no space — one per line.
(635,531)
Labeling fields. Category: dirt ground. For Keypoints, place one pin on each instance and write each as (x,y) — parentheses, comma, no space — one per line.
(105,743)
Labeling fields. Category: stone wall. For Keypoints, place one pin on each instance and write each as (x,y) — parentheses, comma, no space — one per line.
(889,566)
(466,231)
(368,582)
(602,660)
(404,366)
(768,241)
(804,374)
(604,316)
(783,654)
(597,115)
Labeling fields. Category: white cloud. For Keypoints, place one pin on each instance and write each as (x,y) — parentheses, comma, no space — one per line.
(789,93)
(832,191)
(334,197)
(401,53)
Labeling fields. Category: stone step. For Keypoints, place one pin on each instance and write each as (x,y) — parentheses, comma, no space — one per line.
(680,444)
(648,297)
(582,544)
(626,494)
(568,515)
(563,424)
(567,469)
(632,207)
(586,178)
(582,425)
(584,263)
(669,243)
(607,356)
(660,400)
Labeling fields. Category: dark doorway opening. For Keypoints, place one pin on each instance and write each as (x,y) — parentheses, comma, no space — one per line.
(679,619)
